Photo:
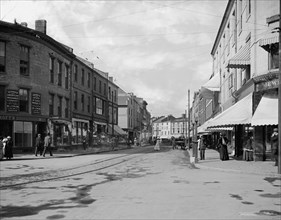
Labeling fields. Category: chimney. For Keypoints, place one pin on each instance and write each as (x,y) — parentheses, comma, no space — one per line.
(24,24)
(41,25)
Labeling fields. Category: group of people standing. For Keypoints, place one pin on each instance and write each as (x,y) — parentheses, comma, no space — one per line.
(6,148)
(42,146)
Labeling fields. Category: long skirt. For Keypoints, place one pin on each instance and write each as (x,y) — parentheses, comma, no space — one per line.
(224,153)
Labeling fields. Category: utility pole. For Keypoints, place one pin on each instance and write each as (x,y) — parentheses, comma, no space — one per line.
(188,119)
(185,125)
(279,95)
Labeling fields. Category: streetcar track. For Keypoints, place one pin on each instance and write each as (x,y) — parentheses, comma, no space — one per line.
(57,176)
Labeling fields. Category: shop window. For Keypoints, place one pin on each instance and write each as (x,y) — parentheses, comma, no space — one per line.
(66,76)
(59,73)
(24,60)
(23,100)
(51,104)
(61,134)
(2,57)
(2,98)
(51,68)
(23,134)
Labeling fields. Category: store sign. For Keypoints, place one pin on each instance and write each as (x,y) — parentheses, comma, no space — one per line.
(267,85)
(12,100)
(36,104)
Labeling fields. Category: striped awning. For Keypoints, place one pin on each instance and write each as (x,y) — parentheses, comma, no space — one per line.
(238,114)
(241,58)
(266,112)
(213,84)
(268,40)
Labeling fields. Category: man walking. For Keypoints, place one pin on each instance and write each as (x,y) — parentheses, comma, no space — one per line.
(47,143)
(38,145)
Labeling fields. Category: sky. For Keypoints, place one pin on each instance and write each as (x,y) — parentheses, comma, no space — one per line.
(156,49)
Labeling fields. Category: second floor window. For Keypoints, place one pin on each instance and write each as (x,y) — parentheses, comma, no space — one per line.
(89,102)
(75,73)
(60,107)
(99,106)
(23,100)
(24,60)
(82,102)
(2,98)
(75,100)
(59,73)
(100,86)
(2,57)
(95,83)
(274,59)
(83,77)
(51,68)
(51,104)
(66,74)
(104,89)
(66,109)
(89,80)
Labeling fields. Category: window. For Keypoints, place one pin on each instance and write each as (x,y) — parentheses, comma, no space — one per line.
(23,100)
(51,104)
(24,60)
(59,73)
(240,15)
(274,58)
(2,98)
(51,67)
(2,57)
(115,96)
(104,89)
(89,80)
(100,86)
(23,133)
(234,28)
(114,115)
(66,109)
(230,81)
(66,75)
(83,77)
(95,83)
(228,39)
(60,107)
(82,102)
(89,102)
(99,106)
(75,72)
(109,92)
(75,100)
(248,9)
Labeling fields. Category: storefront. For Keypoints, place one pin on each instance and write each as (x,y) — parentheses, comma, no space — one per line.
(80,130)
(60,131)
(22,129)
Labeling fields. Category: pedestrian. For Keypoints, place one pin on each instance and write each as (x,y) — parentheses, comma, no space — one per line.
(1,148)
(249,148)
(84,143)
(38,145)
(202,147)
(47,145)
(222,147)
(9,148)
(274,145)
(157,145)
(174,143)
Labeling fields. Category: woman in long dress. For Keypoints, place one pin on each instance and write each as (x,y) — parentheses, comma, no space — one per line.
(157,145)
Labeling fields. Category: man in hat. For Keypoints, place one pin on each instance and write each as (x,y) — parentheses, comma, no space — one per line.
(274,145)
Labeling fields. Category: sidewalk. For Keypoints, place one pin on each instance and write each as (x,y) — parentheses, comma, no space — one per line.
(71,153)
(213,162)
